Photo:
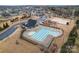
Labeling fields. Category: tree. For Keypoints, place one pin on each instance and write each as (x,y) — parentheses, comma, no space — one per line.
(7,25)
(4,26)
(71,42)
(1,28)
(77,24)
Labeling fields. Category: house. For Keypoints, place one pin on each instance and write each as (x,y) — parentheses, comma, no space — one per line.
(42,19)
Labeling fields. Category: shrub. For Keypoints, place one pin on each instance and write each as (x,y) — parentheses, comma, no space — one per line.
(1,28)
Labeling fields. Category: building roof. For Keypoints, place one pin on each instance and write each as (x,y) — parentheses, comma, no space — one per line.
(42,19)
(31,23)
(61,20)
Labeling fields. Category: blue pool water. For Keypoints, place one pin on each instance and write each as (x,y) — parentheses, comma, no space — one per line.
(44,32)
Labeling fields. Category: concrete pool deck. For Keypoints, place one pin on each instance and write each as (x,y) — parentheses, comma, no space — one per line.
(9,45)
(41,35)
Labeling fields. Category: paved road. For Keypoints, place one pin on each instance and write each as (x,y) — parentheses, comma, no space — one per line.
(7,33)
(10,30)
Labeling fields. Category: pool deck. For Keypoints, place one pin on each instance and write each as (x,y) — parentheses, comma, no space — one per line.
(9,45)
(44,41)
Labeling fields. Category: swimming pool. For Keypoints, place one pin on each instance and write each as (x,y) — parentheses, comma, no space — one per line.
(44,32)
(42,35)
